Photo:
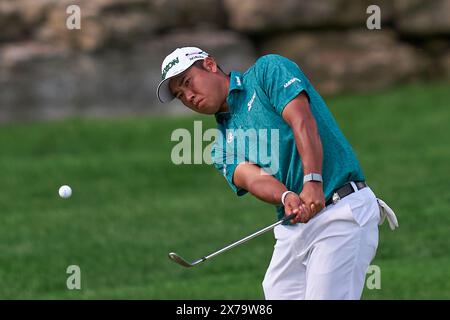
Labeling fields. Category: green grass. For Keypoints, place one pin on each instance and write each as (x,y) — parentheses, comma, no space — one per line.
(131,205)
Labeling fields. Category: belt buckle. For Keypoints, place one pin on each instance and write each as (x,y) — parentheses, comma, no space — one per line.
(336,197)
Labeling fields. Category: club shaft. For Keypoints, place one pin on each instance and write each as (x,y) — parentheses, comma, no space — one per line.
(253,235)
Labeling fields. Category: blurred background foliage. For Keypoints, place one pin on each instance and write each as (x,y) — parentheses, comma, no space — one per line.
(111,66)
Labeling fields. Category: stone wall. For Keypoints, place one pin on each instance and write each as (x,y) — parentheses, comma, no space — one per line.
(111,66)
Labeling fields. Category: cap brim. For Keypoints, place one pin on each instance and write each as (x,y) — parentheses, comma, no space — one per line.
(163,91)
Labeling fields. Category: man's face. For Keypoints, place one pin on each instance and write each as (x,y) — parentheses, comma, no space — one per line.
(200,89)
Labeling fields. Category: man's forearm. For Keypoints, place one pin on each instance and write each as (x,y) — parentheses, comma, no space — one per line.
(267,189)
(309,145)
(307,139)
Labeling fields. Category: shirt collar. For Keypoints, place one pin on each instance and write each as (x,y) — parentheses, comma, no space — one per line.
(236,81)
(221,117)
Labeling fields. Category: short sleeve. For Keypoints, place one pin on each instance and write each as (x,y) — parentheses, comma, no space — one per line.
(281,80)
(226,163)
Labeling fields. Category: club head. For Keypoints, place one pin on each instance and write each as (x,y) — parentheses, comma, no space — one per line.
(176,258)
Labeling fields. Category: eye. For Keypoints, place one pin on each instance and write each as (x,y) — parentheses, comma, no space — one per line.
(186,82)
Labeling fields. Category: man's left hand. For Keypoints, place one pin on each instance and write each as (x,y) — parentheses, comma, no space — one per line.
(313,199)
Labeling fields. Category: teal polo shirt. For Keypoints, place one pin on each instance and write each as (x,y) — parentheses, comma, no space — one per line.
(253,130)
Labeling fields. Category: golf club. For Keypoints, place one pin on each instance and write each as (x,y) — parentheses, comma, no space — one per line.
(176,258)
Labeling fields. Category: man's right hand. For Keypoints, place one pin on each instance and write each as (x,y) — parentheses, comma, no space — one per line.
(293,204)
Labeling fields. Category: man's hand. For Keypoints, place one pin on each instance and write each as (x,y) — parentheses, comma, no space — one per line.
(313,199)
(293,204)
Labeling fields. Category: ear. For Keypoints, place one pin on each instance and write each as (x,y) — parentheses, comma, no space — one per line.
(210,64)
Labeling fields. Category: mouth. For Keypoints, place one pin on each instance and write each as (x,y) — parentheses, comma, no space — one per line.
(199,102)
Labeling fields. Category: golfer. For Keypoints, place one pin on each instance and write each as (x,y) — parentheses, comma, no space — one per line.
(324,252)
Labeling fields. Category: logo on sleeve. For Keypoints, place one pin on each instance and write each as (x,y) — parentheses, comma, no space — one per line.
(287,84)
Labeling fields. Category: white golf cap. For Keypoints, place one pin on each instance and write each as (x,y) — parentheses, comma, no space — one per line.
(174,64)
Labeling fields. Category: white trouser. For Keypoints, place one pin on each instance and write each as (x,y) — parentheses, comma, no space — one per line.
(326,258)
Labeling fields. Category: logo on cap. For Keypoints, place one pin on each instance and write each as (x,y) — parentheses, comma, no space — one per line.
(169,66)
(196,55)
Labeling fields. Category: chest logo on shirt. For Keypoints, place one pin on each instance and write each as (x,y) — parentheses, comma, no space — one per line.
(287,84)
(250,103)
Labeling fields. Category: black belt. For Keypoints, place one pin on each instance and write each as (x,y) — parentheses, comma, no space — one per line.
(344,191)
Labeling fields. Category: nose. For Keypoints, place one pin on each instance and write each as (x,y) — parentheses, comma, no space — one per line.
(190,96)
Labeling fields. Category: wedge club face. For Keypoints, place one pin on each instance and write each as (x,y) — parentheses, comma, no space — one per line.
(176,258)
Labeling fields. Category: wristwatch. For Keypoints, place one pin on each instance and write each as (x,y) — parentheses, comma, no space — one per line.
(312,177)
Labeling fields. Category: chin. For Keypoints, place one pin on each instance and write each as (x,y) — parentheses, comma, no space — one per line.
(206,109)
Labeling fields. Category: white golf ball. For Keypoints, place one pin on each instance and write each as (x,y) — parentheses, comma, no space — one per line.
(65,192)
